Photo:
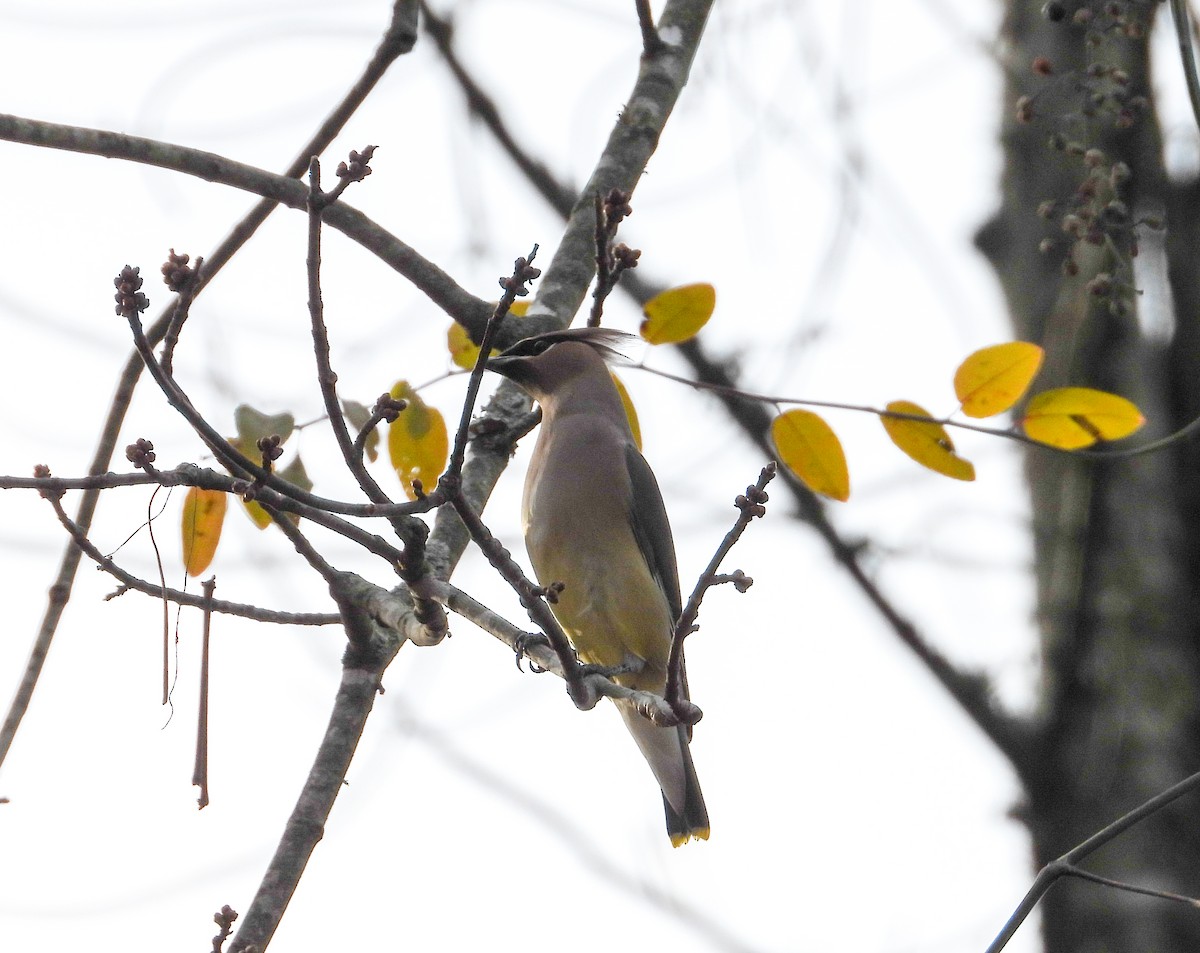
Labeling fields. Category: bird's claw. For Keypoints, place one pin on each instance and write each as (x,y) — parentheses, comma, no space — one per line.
(524,641)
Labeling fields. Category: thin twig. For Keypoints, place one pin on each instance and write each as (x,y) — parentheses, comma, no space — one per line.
(750,506)
(532,597)
(651,42)
(1128,887)
(326,376)
(191,475)
(200,769)
(514,287)
(129,581)
(422,273)
(1067,863)
(1006,433)
(237,462)
(538,650)
(305,548)
(412,568)
(398,39)
(603,259)
(177,268)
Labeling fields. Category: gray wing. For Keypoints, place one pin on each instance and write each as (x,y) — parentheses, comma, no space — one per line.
(651,529)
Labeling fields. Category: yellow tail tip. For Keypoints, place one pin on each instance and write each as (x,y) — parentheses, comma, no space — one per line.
(678,840)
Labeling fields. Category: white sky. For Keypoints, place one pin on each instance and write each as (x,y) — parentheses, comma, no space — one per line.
(853,807)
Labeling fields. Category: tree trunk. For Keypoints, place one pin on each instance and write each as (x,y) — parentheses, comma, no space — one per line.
(1114,540)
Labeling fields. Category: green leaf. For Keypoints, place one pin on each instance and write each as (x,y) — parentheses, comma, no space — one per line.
(252,425)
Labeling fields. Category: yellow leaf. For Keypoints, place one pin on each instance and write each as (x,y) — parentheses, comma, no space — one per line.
(418,444)
(203,514)
(296,475)
(463,351)
(926,441)
(811,450)
(994,378)
(1071,418)
(678,313)
(630,410)
(261,518)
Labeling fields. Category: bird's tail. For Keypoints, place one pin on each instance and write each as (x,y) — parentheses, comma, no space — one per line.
(670,758)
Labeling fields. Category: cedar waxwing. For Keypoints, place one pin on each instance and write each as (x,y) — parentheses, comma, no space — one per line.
(594,520)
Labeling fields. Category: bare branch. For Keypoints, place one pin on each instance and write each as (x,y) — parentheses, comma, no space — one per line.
(652,43)
(427,277)
(514,287)
(130,581)
(200,769)
(1067,863)
(306,825)
(630,145)
(318,202)
(398,38)
(751,505)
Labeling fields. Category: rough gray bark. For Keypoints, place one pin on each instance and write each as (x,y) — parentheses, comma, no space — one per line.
(1114,541)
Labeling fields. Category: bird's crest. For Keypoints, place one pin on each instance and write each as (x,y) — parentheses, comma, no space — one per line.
(614,346)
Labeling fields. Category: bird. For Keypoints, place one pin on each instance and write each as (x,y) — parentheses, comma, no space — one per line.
(594,521)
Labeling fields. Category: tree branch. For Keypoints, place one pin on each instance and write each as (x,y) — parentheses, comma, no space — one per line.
(971,690)
(156,590)
(427,277)
(398,39)
(1066,865)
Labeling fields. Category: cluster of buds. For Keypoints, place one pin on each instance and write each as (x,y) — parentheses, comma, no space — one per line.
(551,592)
(271,449)
(616,208)
(130,300)
(359,166)
(388,407)
(625,257)
(753,502)
(141,454)
(177,274)
(522,272)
